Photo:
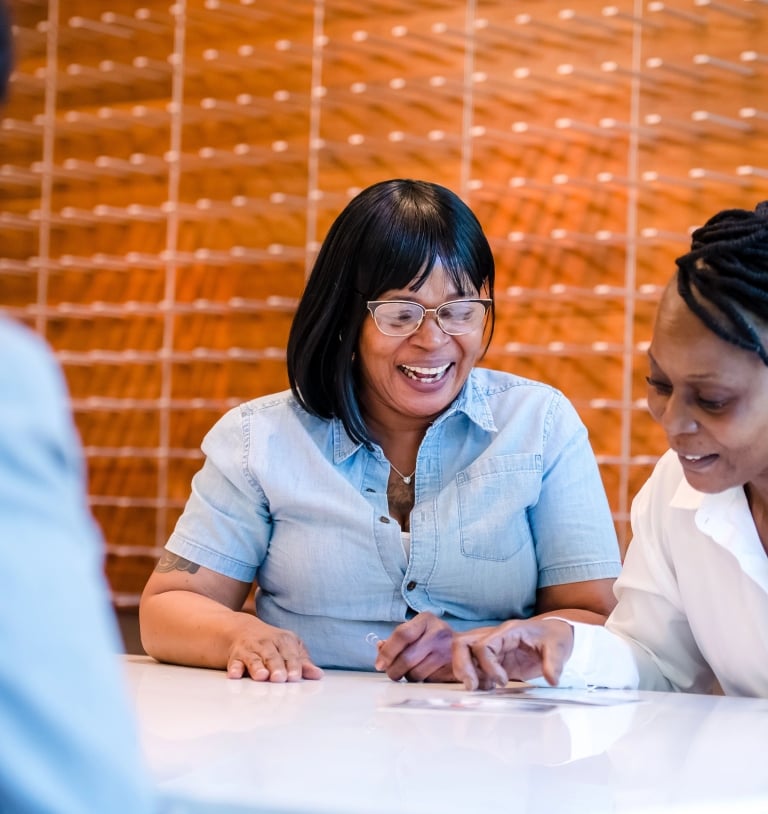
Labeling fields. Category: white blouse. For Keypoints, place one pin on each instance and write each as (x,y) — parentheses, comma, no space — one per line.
(692,597)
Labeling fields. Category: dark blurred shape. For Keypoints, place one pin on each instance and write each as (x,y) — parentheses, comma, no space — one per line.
(6,48)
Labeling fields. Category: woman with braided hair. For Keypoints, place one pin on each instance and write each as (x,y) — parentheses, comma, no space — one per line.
(698,559)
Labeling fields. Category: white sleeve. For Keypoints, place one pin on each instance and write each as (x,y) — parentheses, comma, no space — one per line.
(646,642)
(598,659)
(650,614)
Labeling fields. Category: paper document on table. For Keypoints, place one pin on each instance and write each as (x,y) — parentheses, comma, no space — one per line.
(553,695)
(474,703)
(509,699)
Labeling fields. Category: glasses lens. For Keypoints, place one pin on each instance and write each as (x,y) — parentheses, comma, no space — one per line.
(398,318)
(461,316)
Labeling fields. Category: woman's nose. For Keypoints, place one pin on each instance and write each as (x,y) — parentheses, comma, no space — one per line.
(429,332)
(676,417)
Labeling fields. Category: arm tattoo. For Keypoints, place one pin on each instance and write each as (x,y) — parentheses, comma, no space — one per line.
(172,562)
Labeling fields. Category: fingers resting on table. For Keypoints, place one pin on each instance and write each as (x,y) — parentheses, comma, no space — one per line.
(271,654)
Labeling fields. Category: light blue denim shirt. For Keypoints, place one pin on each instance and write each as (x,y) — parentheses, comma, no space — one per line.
(508,499)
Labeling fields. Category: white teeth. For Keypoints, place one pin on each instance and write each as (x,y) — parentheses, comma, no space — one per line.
(693,457)
(427,371)
(424,374)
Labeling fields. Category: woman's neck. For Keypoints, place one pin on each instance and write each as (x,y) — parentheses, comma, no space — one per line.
(400,440)
(388,427)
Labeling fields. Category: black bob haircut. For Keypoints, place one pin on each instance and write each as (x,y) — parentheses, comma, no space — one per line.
(389,236)
(724,277)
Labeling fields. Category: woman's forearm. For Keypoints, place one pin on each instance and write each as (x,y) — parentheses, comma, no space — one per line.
(183,627)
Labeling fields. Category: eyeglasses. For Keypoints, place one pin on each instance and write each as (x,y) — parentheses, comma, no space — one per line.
(403,317)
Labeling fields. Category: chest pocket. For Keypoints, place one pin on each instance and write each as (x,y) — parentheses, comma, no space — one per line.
(494,495)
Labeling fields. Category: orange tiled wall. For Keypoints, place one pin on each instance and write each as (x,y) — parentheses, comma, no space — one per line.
(168,173)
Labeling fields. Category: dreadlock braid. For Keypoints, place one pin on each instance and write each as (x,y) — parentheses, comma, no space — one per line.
(724,277)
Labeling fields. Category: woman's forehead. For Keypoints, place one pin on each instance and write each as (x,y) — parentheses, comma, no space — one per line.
(683,345)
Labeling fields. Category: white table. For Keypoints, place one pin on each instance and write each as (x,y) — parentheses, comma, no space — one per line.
(339,746)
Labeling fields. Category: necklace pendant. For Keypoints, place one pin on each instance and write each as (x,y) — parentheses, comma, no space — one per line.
(406,479)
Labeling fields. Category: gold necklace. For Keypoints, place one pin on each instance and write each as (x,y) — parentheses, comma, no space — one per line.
(406,478)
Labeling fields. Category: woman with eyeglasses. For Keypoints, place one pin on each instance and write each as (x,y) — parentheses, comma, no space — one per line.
(397,493)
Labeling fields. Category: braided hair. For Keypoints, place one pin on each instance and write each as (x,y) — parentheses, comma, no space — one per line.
(724,277)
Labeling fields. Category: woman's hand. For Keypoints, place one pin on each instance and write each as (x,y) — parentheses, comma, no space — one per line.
(520,649)
(418,650)
(192,615)
(267,653)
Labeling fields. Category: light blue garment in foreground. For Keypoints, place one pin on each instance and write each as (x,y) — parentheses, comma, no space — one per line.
(508,500)
(68,743)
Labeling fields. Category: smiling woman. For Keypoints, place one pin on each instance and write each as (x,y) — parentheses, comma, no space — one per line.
(397,488)
(693,595)
(710,397)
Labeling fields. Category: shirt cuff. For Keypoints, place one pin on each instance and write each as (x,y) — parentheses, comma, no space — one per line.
(599,659)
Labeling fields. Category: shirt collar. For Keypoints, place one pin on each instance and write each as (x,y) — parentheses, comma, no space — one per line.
(723,516)
(686,497)
(471,400)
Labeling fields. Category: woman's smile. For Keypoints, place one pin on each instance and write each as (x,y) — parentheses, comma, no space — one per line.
(425,375)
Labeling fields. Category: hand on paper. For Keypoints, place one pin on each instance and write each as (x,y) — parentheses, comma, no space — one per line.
(520,649)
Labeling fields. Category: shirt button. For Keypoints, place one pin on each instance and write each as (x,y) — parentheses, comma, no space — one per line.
(410,586)
(383,519)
